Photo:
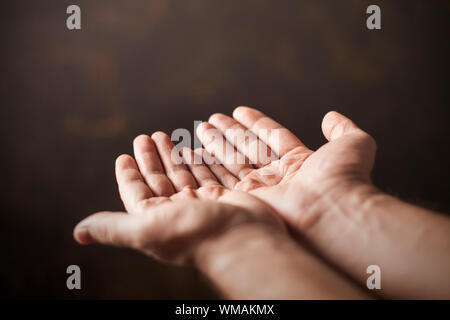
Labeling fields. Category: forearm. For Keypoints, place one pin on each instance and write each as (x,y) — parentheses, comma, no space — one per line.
(252,263)
(411,245)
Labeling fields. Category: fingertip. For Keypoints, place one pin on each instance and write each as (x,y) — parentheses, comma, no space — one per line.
(335,125)
(242,111)
(332,115)
(81,234)
(202,127)
(159,135)
(103,227)
(124,161)
(141,139)
(214,118)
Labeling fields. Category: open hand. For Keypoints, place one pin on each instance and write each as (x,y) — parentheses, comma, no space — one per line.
(173,214)
(298,184)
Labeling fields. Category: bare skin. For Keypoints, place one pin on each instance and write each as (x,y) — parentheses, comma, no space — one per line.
(228,219)
(187,217)
(326,196)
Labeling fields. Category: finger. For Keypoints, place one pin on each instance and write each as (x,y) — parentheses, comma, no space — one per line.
(132,187)
(112,228)
(217,145)
(277,137)
(225,177)
(243,139)
(336,125)
(177,172)
(198,168)
(150,166)
(137,232)
(361,145)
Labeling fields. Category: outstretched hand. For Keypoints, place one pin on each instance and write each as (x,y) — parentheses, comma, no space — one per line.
(327,198)
(173,215)
(183,215)
(227,213)
(299,182)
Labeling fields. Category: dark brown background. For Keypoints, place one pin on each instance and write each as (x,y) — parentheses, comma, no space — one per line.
(71,101)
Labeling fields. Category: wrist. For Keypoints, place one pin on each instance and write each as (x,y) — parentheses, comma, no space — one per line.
(218,253)
(354,196)
(334,197)
(269,260)
(240,260)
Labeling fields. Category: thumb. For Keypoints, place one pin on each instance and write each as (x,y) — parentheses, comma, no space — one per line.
(336,125)
(358,148)
(112,228)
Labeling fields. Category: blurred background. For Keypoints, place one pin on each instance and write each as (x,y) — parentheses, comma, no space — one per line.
(72,101)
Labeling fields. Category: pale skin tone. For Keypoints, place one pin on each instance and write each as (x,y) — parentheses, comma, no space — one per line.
(229,220)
